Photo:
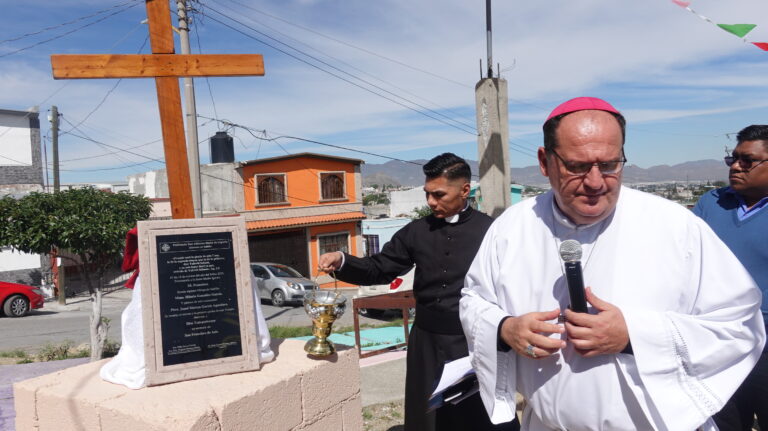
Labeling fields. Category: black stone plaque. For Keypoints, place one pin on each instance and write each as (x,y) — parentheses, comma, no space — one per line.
(199,318)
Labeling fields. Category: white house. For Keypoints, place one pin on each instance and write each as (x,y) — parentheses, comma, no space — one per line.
(403,202)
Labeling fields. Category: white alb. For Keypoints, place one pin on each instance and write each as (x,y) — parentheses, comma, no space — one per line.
(691,309)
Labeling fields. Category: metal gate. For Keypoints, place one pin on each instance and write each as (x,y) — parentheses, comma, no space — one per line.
(288,248)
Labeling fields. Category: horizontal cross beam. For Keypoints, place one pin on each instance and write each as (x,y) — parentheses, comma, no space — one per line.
(78,66)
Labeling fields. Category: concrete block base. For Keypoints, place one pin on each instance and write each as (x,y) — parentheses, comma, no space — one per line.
(294,392)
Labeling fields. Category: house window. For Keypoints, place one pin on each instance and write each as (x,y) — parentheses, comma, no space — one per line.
(332,185)
(335,242)
(270,189)
(371,244)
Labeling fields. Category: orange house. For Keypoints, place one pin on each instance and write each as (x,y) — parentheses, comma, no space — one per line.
(299,206)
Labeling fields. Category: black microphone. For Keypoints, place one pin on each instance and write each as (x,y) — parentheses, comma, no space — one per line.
(570,252)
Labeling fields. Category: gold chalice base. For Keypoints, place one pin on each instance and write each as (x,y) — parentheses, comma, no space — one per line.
(321,329)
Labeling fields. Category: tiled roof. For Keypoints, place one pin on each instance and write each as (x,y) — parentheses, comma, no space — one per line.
(304,221)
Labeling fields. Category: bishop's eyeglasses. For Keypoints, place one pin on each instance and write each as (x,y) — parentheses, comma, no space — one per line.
(745,162)
(610,167)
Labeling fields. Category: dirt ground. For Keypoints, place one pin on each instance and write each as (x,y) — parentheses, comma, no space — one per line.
(383,417)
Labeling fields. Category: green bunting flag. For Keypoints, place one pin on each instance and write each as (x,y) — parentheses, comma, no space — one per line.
(739,30)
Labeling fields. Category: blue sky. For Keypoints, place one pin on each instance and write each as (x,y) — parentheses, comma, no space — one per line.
(682,83)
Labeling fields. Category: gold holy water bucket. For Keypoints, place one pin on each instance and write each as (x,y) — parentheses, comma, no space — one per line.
(323,307)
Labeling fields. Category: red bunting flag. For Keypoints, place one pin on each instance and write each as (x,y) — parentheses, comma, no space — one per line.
(681,3)
(761,45)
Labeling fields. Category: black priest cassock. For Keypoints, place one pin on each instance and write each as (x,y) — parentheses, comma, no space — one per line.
(442,252)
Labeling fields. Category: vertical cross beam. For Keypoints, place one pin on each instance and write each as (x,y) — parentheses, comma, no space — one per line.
(171,117)
(166,67)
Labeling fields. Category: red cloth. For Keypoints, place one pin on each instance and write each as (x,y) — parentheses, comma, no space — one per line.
(131,256)
(582,104)
(761,45)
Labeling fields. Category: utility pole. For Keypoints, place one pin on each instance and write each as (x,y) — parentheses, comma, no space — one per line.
(55,146)
(493,134)
(193,152)
(57,273)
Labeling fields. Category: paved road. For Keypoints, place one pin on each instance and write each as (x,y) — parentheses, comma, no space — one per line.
(55,323)
(384,381)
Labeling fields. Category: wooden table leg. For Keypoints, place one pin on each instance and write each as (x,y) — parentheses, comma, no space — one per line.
(357,329)
(405,323)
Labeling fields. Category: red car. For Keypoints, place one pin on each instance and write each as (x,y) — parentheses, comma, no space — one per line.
(17,299)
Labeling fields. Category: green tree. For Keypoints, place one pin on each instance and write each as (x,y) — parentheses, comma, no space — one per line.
(88,223)
(375,198)
(370,199)
(422,212)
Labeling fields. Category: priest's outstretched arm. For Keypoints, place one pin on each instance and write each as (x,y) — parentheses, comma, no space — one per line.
(394,259)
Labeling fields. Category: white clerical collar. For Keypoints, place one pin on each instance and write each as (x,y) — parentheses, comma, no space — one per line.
(563,219)
(455,218)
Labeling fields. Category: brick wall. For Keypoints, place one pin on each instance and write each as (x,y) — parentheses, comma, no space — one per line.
(32,277)
(26,175)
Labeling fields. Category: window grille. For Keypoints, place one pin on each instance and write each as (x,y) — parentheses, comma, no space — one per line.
(337,242)
(371,244)
(270,189)
(332,185)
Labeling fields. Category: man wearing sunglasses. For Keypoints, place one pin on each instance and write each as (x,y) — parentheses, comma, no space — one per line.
(739,216)
(669,335)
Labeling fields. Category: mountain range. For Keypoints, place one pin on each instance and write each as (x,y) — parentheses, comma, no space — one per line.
(410,174)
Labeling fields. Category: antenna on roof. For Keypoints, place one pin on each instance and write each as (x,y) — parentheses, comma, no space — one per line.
(488,37)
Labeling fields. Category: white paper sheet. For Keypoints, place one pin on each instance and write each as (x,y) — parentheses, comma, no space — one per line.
(453,372)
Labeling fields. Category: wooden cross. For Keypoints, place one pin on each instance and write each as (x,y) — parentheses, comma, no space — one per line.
(166,67)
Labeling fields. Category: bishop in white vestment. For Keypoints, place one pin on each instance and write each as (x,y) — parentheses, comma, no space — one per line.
(657,275)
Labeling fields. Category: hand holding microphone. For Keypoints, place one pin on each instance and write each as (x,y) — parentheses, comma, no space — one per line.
(570,252)
(591,335)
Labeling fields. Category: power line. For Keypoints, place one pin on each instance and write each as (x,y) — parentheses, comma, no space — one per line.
(311,141)
(345,72)
(68,82)
(111,153)
(14,160)
(363,72)
(207,81)
(296,138)
(375,54)
(522,148)
(59,36)
(250,130)
(337,75)
(522,152)
(116,168)
(248,186)
(354,46)
(129,148)
(104,99)
(156,160)
(107,145)
(119,150)
(63,24)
